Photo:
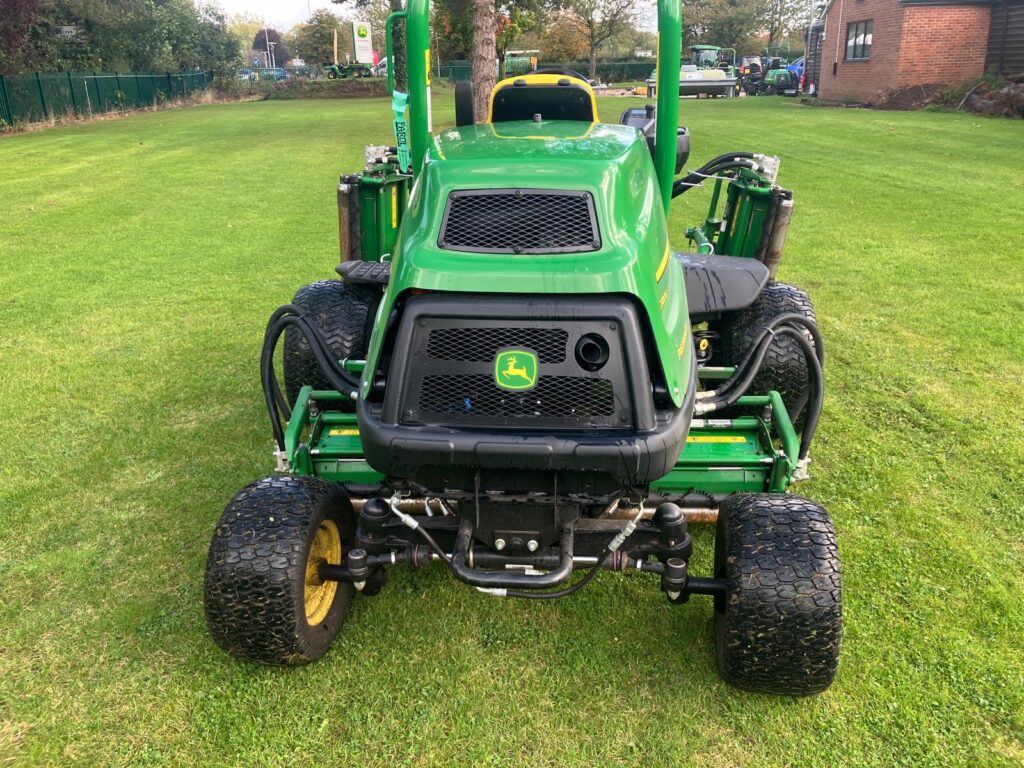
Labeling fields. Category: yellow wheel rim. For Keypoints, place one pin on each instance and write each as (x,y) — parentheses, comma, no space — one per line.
(319,595)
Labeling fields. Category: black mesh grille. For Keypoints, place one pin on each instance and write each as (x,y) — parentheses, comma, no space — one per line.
(482,344)
(554,397)
(519,221)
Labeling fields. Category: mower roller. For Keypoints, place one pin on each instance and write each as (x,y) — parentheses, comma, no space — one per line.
(519,380)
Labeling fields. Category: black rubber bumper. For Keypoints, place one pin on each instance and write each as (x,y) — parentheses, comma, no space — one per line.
(632,458)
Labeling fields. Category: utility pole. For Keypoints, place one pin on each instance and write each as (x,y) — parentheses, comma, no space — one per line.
(266,39)
(273,60)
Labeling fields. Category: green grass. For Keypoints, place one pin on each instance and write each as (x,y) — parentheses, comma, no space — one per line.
(140,260)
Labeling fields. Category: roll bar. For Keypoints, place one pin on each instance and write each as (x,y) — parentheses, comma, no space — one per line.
(417,40)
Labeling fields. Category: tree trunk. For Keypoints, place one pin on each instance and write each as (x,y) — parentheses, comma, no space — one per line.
(484,48)
(593,64)
(398,40)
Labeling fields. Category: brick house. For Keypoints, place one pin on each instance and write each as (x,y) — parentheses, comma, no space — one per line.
(868,48)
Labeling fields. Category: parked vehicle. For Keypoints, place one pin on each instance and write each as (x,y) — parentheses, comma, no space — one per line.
(343,71)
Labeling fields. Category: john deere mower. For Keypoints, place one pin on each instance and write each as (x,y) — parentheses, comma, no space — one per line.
(519,380)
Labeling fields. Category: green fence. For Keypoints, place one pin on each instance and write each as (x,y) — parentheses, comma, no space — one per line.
(40,97)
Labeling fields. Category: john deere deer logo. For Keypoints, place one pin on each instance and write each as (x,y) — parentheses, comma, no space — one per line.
(515,369)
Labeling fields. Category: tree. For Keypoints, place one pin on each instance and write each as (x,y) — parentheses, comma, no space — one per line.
(244,26)
(16,20)
(271,35)
(780,17)
(314,40)
(512,23)
(599,21)
(484,71)
(729,23)
(562,41)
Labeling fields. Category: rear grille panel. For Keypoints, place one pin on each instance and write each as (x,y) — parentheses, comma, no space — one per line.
(450,374)
(519,221)
(482,344)
(470,396)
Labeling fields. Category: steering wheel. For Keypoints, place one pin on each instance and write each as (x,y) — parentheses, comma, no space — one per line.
(557,71)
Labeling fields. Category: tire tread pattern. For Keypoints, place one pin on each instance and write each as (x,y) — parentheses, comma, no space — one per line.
(253,590)
(779,629)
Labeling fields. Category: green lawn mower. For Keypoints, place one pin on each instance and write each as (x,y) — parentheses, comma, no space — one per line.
(517,379)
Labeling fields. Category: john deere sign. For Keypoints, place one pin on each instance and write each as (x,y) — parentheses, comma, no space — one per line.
(362,42)
(515,369)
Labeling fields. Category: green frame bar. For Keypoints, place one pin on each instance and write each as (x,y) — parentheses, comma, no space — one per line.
(670,34)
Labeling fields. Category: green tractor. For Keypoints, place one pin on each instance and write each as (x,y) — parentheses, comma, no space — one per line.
(344,71)
(518,379)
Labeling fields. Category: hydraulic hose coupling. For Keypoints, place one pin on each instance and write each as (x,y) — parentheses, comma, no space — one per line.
(358,568)
(626,532)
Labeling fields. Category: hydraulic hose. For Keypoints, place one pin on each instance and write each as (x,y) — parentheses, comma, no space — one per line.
(698,177)
(790,325)
(610,547)
(291,316)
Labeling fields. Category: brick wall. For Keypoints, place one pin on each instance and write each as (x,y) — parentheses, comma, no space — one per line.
(942,44)
(861,81)
(911,45)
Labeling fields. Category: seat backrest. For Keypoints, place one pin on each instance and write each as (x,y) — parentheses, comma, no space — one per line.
(552,96)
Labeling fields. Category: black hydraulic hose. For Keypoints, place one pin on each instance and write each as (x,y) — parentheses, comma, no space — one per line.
(788,325)
(587,578)
(291,316)
(726,158)
(759,349)
(698,177)
(817,395)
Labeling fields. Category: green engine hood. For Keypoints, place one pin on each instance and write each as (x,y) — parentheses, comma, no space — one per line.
(611,162)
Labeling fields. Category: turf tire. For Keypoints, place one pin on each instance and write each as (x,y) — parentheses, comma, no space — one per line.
(785,367)
(345,313)
(779,627)
(253,591)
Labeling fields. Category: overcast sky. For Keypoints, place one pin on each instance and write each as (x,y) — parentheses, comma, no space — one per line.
(280,14)
(284,14)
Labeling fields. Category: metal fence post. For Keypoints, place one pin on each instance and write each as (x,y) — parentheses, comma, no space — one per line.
(71,90)
(6,110)
(42,97)
(99,96)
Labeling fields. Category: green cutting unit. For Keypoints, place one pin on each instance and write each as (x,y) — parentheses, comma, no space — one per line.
(518,378)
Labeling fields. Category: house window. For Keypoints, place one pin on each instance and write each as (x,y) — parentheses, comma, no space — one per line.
(858,41)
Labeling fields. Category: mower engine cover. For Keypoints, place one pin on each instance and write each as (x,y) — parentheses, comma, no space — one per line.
(534,317)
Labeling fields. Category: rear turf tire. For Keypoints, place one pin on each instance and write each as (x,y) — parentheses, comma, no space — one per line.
(780,626)
(784,368)
(262,599)
(345,313)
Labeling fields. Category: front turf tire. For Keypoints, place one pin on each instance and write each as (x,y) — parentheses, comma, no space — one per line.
(262,597)
(779,627)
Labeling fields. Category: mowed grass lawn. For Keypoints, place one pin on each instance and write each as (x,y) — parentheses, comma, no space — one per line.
(140,260)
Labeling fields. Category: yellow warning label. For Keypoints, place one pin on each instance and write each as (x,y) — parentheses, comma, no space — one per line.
(342,432)
(716,439)
(394,206)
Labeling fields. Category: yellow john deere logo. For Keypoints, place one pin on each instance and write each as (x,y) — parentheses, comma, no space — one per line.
(515,369)
(362,31)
